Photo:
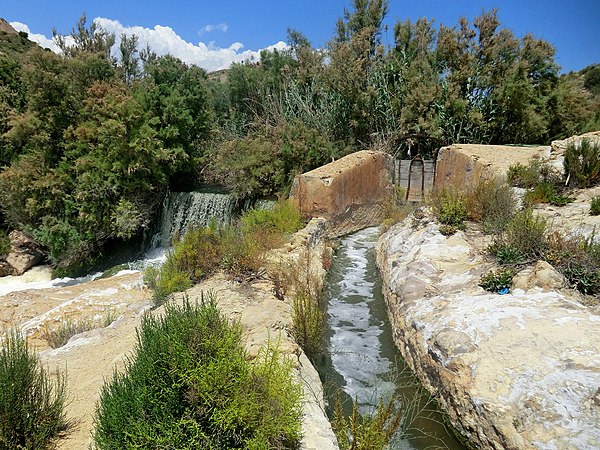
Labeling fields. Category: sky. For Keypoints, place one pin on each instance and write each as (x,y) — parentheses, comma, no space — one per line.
(213,34)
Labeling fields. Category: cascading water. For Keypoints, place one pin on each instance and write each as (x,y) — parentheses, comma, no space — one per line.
(183,210)
(362,362)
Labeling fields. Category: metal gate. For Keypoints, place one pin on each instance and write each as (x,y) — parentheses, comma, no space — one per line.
(415,175)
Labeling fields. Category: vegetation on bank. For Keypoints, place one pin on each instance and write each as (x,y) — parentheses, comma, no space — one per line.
(32,404)
(190,385)
(238,249)
(90,142)
(522,237)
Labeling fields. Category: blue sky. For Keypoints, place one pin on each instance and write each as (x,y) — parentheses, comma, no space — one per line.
(214,33)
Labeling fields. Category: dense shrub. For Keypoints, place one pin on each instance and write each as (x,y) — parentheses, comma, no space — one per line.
(523,239)
(523,176)
(31,405)
(189,385)
(4,244)
(493,204)
(582,164)
(284,218)
(450,207)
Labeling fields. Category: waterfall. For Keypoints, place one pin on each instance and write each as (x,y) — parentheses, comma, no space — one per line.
(182,210)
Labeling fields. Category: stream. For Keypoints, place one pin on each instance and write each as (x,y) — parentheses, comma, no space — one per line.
(361,361)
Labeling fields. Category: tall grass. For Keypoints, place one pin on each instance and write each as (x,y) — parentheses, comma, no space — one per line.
(32,405)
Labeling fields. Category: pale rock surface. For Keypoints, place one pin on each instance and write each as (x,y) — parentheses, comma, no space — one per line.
(515,371)
(541,275)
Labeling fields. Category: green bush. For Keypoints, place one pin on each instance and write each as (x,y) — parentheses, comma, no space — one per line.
(196,256)
(595,206)
(578,259)
(497,280)
(582,164)
(190,385)
(523,176)
(4,244)
(451,208)
(31,405)
(523,239)
(284,218)
(493,204)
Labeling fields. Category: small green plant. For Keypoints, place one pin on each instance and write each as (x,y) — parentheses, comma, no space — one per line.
(493,204)
(190,385)
(582,164)
(364,432)
(523,176)
(497,280)
(524,238)
(450,207)
(578,259)
(284,218)
(595,206)
(32,406)
(309,323)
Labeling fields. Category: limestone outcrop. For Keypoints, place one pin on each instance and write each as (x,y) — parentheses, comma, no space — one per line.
(464,165)
(349,192)
(515,371)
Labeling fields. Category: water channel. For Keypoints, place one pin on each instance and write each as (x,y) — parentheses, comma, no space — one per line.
(362,361)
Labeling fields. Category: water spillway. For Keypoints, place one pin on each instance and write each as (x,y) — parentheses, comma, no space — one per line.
(361,361)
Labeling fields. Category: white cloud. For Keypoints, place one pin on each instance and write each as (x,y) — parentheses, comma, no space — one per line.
(164,40)
(218,27)
(42,40)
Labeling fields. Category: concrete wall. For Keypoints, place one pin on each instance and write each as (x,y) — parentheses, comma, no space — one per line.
(349,192)
(464,165)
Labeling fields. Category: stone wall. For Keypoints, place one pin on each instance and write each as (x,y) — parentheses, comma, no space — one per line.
(464,165)
(349,192)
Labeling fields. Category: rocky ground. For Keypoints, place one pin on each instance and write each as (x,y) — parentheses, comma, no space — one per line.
(514,371)
(91,357)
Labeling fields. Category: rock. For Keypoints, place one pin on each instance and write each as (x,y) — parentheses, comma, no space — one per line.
(515,371)
(6,269)
(465,165)
(25,252)
(559,147)
(542,275)
(349,192)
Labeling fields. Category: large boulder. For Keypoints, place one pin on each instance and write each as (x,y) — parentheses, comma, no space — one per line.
(349,192)
(24,254)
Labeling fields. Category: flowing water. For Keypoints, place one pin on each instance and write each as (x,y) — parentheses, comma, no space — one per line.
(362,361)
